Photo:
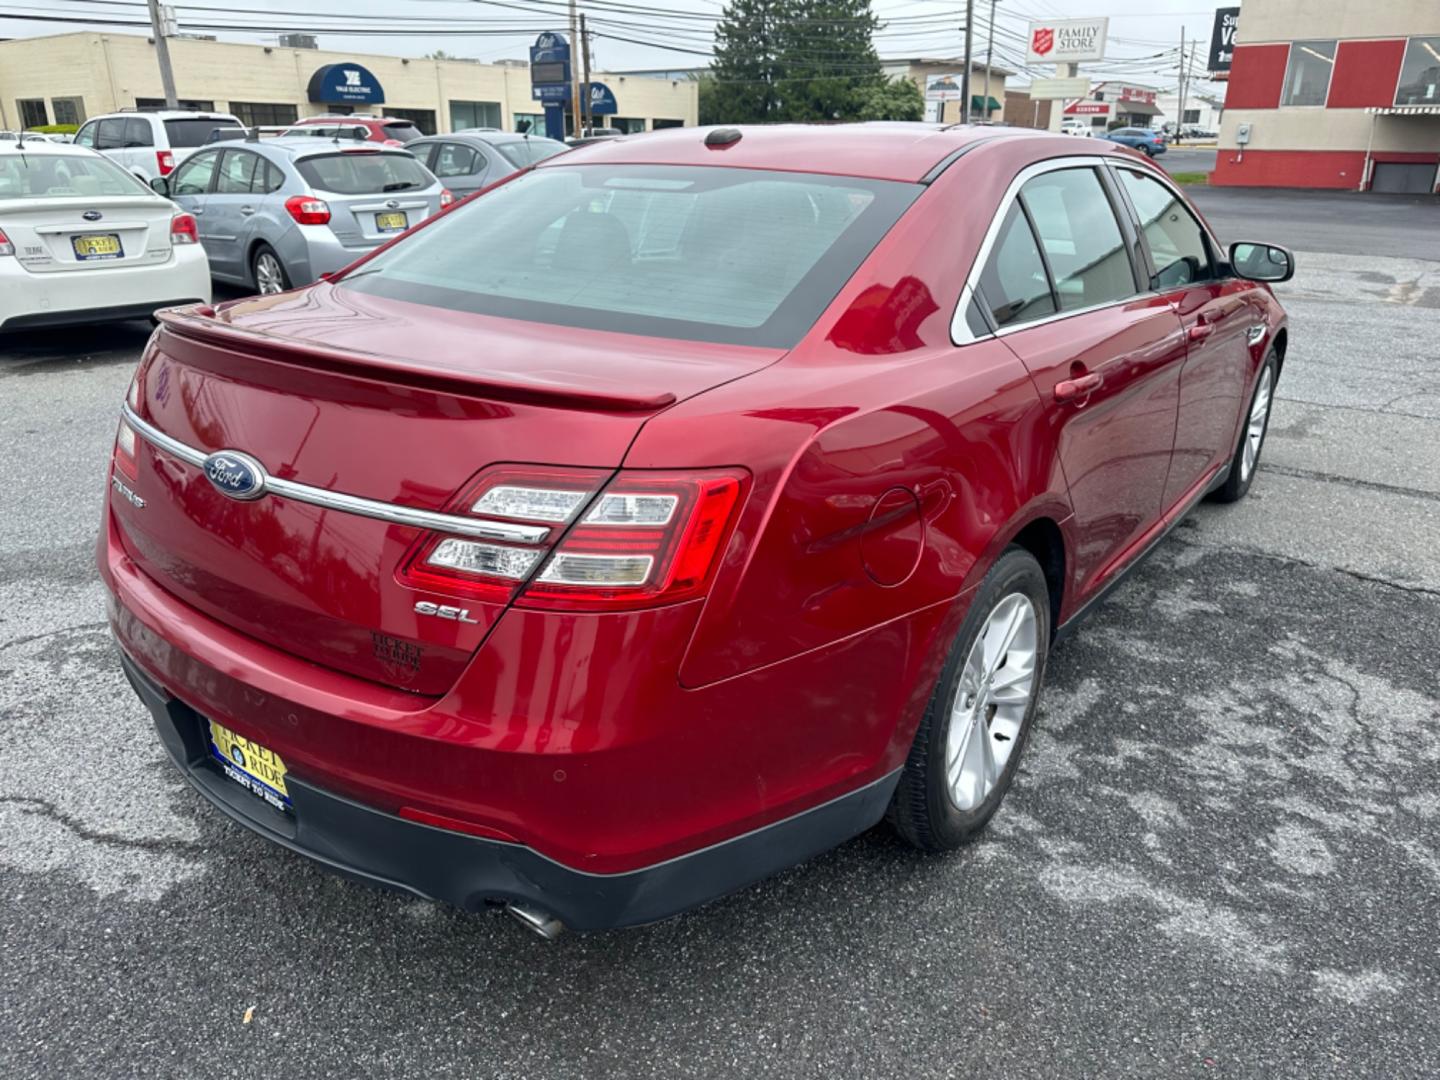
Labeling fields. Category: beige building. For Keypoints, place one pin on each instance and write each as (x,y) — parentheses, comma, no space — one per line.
(1334,94)
(68,77)
(939,81)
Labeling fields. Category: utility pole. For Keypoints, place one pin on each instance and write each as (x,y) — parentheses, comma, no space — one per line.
(1180,120)
(989,52)
(588,103)
(965,75)
(162,50)
(574,69)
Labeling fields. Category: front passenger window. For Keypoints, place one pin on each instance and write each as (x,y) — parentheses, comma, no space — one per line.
(1081,238)
(193,176)
(1177,242)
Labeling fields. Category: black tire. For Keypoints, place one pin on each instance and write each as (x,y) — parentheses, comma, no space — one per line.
(1238,481)
(265,251)
(1148,152)
(922,810)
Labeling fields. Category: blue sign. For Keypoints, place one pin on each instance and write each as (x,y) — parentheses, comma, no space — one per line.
(345,83)
(549,67)
(602,100)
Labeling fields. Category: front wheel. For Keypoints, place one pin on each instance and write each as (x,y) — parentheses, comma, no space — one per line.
(1252,437)
(968,746)
(268,272)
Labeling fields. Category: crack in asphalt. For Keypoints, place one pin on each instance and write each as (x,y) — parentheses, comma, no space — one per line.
(1351,481)
(51,633)
(1292,560)
(45,808)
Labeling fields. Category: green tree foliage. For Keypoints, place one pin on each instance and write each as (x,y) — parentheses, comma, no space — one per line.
(898,99)
(795,60)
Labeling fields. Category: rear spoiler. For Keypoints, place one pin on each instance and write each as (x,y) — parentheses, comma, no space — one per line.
(197,323)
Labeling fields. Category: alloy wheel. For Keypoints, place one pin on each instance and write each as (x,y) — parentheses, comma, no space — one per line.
(994,693)
(1255,426)
(269,277)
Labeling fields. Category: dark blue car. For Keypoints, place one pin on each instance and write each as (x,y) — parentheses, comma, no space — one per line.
(1145,140)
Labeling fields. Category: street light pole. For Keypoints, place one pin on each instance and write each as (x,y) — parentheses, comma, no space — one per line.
(965,76)
(162,52)
(574,69)
(989,52)
(1180,120)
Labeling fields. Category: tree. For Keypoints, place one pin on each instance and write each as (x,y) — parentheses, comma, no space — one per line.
(898,99)
(747,67)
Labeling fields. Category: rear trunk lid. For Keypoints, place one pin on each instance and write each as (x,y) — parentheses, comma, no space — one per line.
(373,195)
(75,233)
(387,401)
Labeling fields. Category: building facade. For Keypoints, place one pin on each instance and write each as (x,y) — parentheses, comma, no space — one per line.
(66,78)
(939,81)
(1334,94)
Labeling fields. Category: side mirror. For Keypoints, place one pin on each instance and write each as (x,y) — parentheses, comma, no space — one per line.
(160,185)
(1262,262)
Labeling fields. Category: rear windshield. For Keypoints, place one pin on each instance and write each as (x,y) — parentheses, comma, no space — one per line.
(363,173)
(195,132)
(402,132)
(739,256)
(525,152)
(43,176)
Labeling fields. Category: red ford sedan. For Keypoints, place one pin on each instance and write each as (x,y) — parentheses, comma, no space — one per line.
(677,509)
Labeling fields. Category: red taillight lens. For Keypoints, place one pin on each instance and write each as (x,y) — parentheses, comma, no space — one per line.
(446,198)
(184,230)
(6,247)
(308,210)
(165,162)
(125,434)
(648,538)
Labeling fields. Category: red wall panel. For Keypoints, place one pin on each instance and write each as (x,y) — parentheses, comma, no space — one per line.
(1365,74)
(1334,169)
(1257,73)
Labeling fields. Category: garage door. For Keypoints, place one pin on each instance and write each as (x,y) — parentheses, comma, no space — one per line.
(1403,178)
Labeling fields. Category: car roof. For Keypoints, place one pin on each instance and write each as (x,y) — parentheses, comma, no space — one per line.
(45,146)
(493,138)
(881,150)
(169,114)
(299,146)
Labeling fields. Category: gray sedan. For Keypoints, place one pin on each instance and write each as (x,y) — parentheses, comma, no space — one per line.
(465,161)
(282,212)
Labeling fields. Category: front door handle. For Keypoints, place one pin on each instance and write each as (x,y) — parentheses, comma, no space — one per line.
(1078,388)
(247,210)
(1199,332)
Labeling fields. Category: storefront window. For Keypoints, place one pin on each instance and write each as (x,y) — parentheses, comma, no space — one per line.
(264,113)
(1420,74)
(32,112)
(474,114)
(536,122)
(1307,79)
(68,110)
(155,104)
(424,119)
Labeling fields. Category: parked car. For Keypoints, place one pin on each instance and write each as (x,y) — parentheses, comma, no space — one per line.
(151,144)
(82,240)
(1082,128)
(282,212)
(465,161)
(381,129)
(593,135)
(665,516)
(1147,141)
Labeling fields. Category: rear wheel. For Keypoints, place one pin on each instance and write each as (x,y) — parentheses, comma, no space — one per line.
(1252,437)
(268,272)
(968,746)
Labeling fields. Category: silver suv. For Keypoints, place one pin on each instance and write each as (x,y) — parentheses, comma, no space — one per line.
(282,212)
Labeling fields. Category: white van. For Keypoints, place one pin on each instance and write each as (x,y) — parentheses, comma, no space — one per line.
(151,144)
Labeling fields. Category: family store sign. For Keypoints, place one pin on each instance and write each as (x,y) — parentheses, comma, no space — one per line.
(1067,41)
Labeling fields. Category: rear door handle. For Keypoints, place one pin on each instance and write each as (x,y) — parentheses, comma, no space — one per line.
(1082,386)
(1199,332)
(247,210)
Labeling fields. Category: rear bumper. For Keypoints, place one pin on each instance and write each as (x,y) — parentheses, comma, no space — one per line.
(69,297)
(471,872)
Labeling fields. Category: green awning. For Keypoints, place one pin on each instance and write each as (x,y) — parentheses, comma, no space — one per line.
(977,103)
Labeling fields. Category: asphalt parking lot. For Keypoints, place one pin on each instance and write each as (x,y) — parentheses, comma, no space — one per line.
(1221,858)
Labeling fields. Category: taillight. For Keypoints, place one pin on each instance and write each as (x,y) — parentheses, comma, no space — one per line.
(446,198)
(308,210)
(6,247)
(165,162)
(647,538)
(184,230)
(125,434)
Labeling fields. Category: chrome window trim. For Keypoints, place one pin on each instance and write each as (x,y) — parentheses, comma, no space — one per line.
(349,504)
(959,331)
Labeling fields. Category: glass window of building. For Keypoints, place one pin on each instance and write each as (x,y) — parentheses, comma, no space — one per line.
(68,110)
(1420,74)
(33,112)
(423,119)
(264,113)
(474,114)
(1307,78)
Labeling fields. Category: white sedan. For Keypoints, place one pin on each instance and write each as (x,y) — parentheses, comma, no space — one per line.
(81,240)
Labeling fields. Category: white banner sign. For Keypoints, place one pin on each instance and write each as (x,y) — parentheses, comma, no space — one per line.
(942,88)
(1067,41)
(1059,89)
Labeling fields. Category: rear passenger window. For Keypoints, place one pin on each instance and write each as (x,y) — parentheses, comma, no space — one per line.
(111,135)
(1080,237)
(237,173)
(1176,240)
(456,160)
(137,133)
(1014,282)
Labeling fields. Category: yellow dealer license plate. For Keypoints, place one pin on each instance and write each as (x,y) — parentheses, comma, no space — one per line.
(250,765)
(392,222)
(106,246)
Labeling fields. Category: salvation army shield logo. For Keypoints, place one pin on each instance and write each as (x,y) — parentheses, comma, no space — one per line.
(1042,41)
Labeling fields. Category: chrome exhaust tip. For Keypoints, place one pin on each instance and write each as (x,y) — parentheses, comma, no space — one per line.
(541,922)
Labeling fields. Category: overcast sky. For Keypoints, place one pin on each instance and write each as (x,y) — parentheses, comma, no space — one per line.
(1144,34)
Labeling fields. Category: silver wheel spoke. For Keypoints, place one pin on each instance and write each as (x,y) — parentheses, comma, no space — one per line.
(1255,426)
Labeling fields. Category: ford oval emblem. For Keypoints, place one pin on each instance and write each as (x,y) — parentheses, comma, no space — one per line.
(92,215)
(236,475)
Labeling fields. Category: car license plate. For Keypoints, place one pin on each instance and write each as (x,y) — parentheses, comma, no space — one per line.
(392,222)
(104,246)
(250,765)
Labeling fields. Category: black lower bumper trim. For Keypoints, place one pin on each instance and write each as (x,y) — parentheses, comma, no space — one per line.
(83,316)
(472,872)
